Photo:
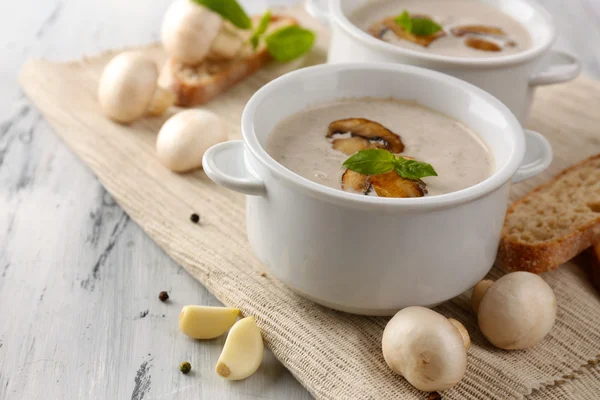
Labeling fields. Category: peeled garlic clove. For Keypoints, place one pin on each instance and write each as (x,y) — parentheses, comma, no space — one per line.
(243,351)
(204,322)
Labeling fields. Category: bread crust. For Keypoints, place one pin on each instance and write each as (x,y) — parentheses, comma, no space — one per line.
(514,255)
(191,94)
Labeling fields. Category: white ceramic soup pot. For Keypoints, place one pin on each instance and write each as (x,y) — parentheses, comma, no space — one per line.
(511,78)
(367,254)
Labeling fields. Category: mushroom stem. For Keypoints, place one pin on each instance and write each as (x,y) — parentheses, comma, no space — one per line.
(463,332)
(161,100)
(479,292)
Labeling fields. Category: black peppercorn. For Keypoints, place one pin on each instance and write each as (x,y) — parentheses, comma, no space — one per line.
(163,296)
(194,218)
(185,367)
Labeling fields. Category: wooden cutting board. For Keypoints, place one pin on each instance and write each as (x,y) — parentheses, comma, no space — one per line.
(335,355)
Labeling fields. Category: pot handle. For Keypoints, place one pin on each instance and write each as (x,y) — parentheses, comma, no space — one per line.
(317,10)
(538,156)
(225,164)
(556,67)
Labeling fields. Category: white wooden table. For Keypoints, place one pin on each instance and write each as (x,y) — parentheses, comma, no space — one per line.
(79,313)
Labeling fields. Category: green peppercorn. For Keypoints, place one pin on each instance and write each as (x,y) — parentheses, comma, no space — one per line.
(185,367)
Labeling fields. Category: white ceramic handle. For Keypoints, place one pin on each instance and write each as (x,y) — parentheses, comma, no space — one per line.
(556,67)
(538,156)
(224,163)
(317,10)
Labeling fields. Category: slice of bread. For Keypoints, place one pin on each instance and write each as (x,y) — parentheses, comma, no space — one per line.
(554,222)
(197,84)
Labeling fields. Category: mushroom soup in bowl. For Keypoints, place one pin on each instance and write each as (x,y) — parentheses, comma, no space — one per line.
(462,28)
(316,142)
(376,254)
(502,46)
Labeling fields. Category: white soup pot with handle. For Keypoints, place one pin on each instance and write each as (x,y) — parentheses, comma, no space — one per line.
(512,78)
(366,254)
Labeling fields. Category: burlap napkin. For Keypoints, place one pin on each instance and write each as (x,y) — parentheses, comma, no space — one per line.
(334,355)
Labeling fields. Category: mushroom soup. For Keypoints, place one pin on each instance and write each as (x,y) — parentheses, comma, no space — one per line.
(316,142)
(460,28)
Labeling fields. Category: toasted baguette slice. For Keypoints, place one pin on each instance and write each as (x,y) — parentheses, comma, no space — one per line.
(194,85)
(554,222)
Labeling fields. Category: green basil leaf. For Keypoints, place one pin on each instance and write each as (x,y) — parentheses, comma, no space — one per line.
(289,43)
(229,10)
(412,169)
(424,27)
(405,21)
(417,26)
(263,24)
(371,162)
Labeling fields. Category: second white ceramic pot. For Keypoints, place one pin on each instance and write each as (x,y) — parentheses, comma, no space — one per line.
(365,254)
(512,78)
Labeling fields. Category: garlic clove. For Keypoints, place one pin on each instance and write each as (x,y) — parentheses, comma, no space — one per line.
(243,351)
(204,322)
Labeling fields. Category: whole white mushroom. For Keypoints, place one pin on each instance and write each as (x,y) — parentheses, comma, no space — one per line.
(185,137)
(128,88)
(188,31)
(516,312)
(425,347)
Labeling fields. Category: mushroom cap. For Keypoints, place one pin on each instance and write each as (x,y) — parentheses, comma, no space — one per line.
(185,137)
(425,348)
(188,30)
(518,311)
(127,85)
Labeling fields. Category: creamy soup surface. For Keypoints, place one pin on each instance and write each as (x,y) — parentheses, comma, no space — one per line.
(449,14)
(458,154)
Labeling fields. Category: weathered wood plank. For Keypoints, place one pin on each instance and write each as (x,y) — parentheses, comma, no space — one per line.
(75,275)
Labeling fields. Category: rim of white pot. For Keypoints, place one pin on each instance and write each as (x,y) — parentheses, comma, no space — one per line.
(496,61)
(493,182)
